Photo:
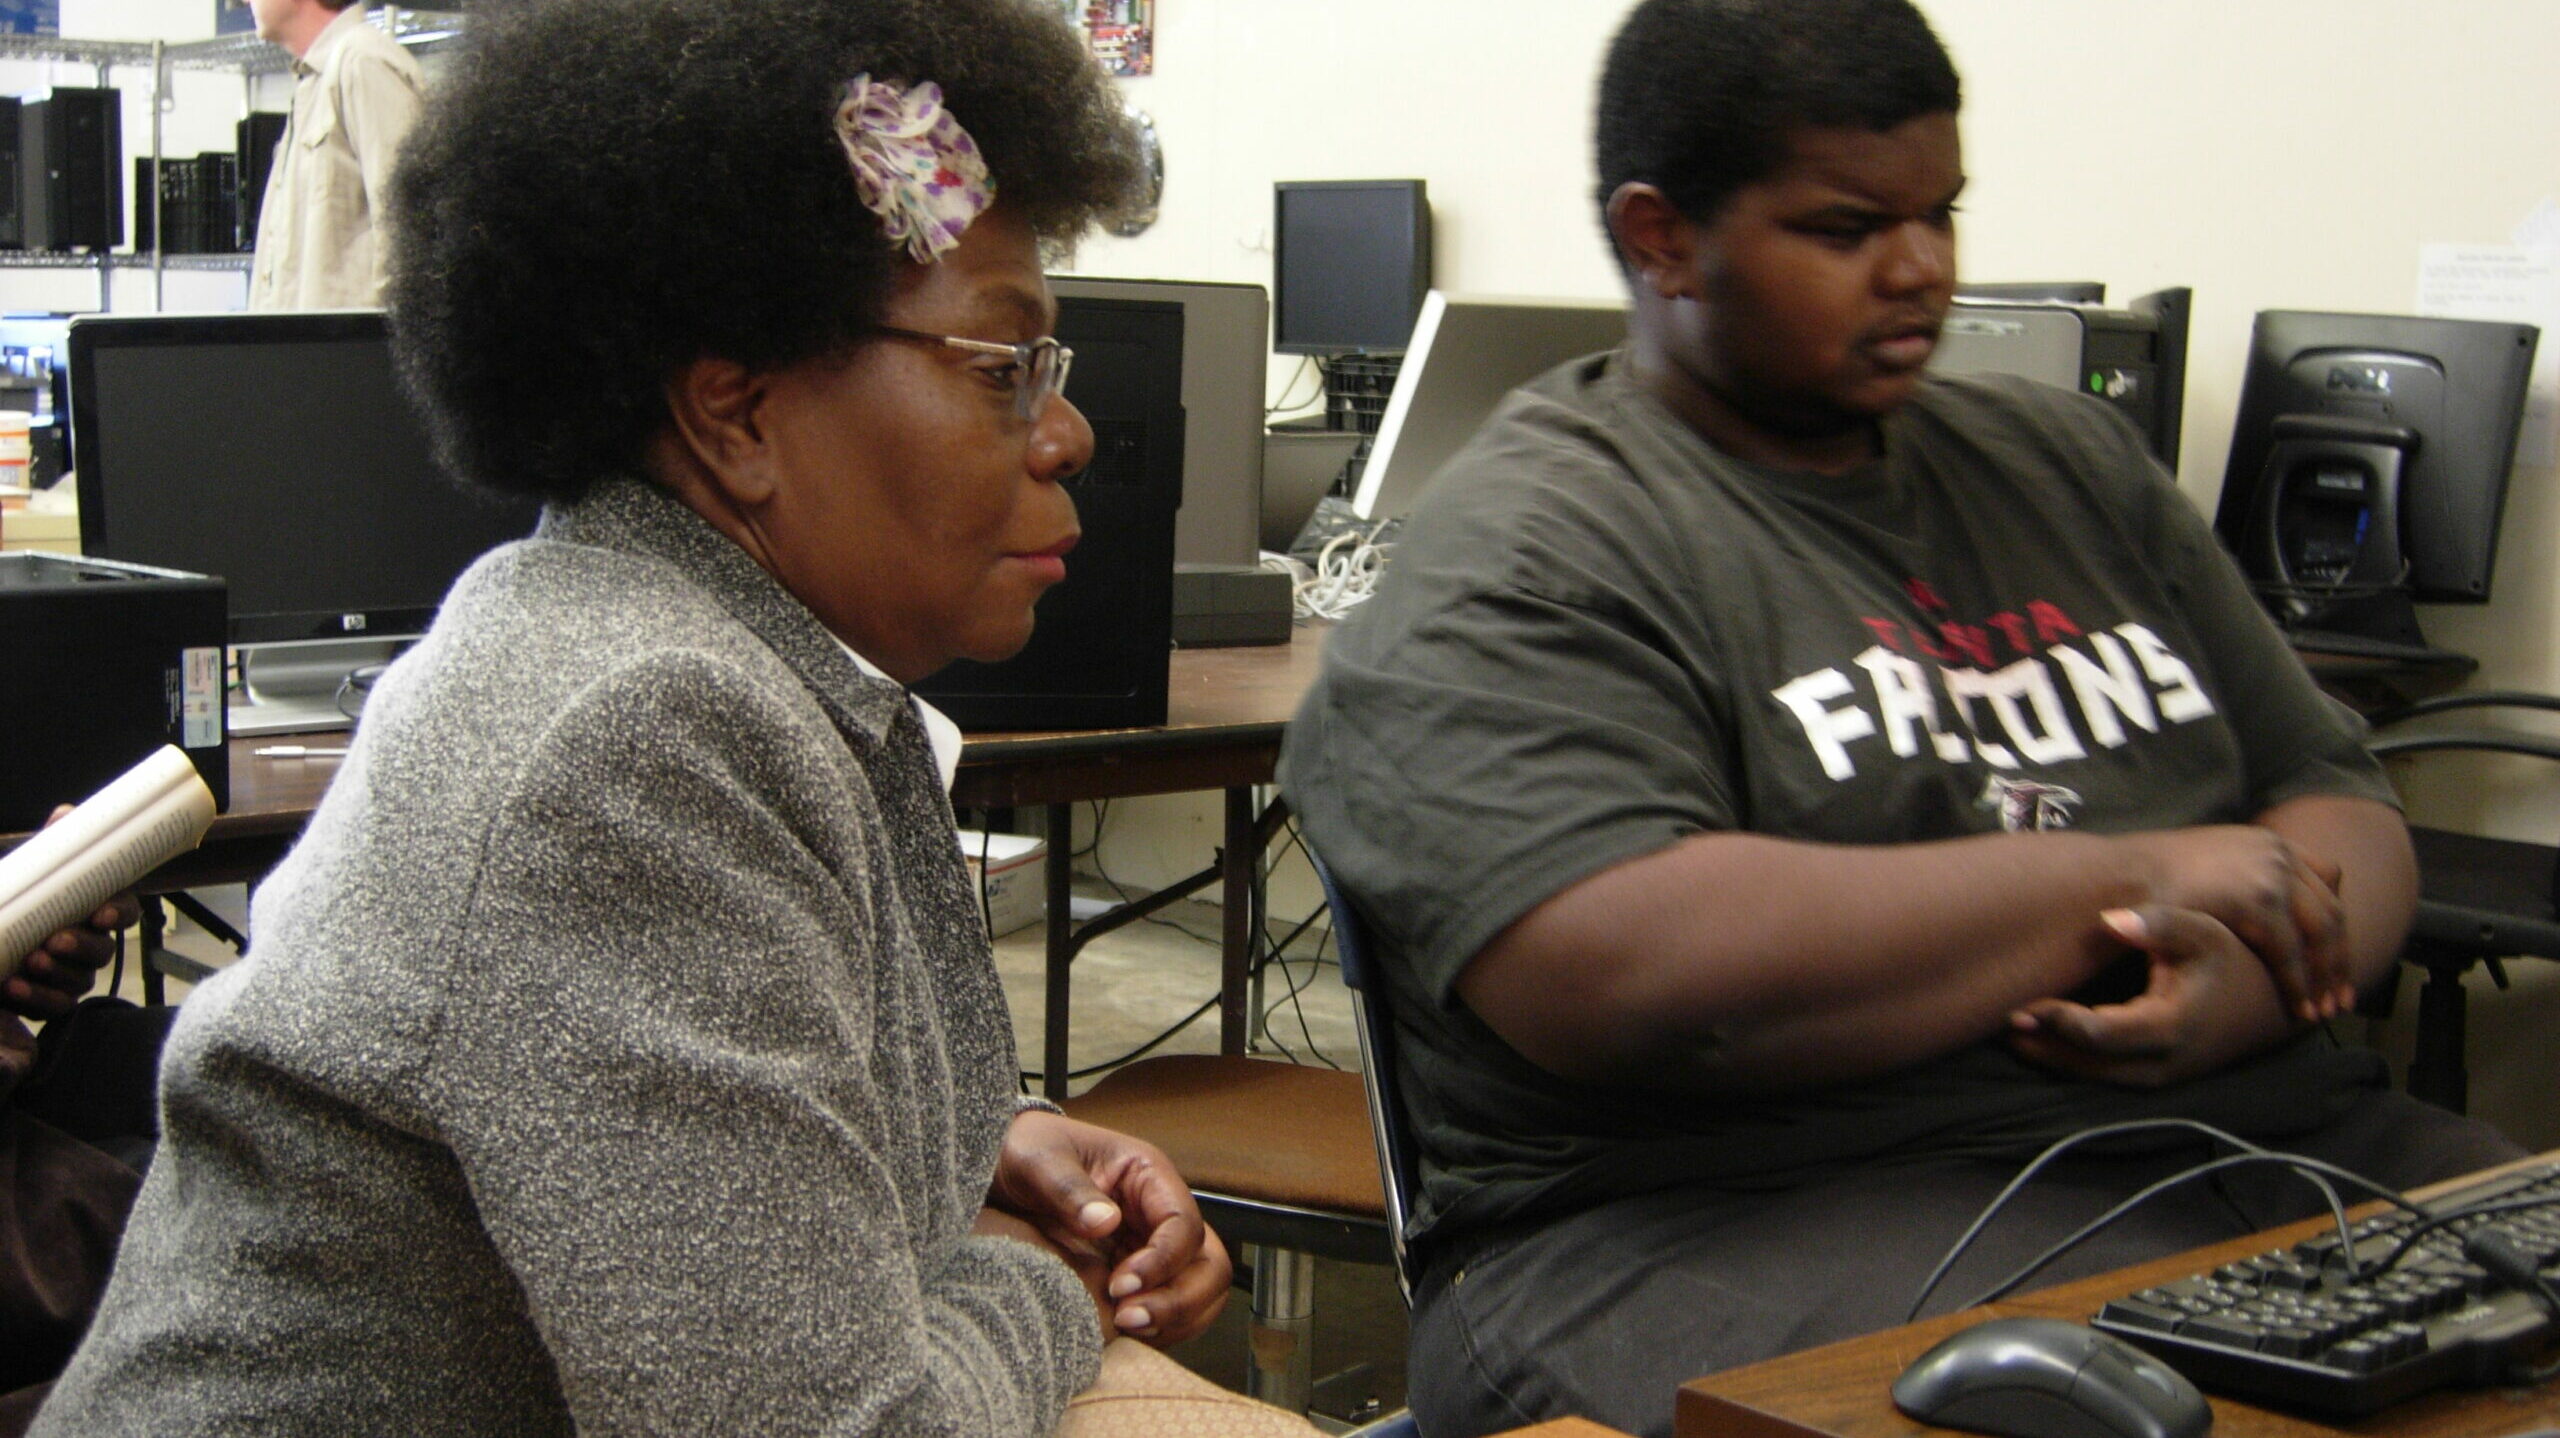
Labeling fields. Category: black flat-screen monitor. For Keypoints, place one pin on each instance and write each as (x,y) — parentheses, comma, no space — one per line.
(1102,639)
(1351,262)
(2369,463)
(277,451)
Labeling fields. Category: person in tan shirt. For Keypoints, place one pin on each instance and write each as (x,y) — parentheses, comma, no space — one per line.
(355,96)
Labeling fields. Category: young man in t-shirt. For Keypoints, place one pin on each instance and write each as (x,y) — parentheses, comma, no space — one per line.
(1791,790)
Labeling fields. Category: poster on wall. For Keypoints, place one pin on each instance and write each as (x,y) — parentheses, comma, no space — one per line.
(1121,32)
(31,17)
(233,17)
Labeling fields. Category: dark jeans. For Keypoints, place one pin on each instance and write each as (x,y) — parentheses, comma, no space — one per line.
(1603,1314)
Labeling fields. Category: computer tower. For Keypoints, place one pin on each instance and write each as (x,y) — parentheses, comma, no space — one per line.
(259,132)
(71,169)
(12,231)
(106,662)
(146,217)
(1221,594)
(1103,639)
(2134,358)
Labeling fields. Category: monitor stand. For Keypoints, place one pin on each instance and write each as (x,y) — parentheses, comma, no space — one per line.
(293,688)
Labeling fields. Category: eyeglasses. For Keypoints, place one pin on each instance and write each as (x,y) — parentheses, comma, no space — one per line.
(1039,366)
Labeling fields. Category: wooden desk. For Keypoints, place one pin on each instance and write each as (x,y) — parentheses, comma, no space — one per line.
(1225,712)
(1226,709)
(1841,1391)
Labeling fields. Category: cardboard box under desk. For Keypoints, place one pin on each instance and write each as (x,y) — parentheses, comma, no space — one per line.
(1016,880)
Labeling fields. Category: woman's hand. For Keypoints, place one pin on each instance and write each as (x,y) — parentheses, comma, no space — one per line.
(1091,1267)
(2210,1002)
(2281,903)
(61,969)
(1120,1199)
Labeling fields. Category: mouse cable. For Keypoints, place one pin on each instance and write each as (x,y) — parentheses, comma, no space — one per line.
(2037,1165)
(2055,1151)
(2312,1171)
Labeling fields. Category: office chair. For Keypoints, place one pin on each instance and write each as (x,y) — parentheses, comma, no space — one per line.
(2481,900)
(1281,1158)
(1399,1160)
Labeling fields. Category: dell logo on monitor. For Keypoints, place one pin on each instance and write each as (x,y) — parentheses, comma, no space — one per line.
(350,623)
(2364,379)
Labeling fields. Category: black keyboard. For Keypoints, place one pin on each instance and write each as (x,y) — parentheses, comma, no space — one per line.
(2294,1328)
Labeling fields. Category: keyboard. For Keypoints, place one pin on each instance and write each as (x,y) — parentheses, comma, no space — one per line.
(2294,1328)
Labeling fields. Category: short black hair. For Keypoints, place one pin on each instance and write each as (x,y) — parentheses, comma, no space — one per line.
(602,192)
(1700,97)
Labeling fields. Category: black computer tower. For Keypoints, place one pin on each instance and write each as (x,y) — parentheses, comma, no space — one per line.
(105,663)
(1103,642)
(259,133)
(12,232)
(71,170)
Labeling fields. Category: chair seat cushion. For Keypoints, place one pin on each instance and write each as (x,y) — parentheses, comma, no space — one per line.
(1254,1128)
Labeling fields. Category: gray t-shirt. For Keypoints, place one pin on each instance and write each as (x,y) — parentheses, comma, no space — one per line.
(1600,635)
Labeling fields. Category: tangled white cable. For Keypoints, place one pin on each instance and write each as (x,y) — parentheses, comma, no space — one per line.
(1345,573)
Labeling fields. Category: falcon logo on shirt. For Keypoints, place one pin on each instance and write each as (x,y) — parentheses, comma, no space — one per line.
(2026,806)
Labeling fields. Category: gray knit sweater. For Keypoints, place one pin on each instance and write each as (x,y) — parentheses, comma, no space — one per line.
(621,1051)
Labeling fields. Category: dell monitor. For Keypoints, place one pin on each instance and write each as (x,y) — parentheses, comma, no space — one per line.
(1468,352)
(278,452)
(1351,261)
(2369,465)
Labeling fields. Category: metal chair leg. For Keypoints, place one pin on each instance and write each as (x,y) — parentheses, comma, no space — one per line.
(1281,1338)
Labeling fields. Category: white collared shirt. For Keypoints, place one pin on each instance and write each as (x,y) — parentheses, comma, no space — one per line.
(939,731)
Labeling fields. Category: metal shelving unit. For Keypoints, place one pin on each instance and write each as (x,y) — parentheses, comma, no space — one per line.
(423,31)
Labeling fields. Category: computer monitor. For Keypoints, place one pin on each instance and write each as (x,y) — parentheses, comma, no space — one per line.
(1226,347)
(1468,352)
(2369,464)
(1102,640)
(277,451)
(1351,262)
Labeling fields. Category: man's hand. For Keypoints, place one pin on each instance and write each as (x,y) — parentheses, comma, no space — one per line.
(2210,1002)
(1121,1199)
(61,969)
(2282,904)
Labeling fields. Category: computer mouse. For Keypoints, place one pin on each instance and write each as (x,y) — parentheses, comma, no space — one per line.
(2044,1378)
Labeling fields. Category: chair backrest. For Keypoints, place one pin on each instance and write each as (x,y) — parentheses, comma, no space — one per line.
(2545,936)
(1399,1164)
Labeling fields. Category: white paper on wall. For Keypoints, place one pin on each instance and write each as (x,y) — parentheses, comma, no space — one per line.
(2519,284)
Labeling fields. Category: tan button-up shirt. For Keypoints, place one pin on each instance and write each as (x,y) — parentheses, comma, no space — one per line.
(355,95)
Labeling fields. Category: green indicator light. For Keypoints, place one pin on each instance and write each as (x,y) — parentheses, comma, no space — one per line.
(2097,383)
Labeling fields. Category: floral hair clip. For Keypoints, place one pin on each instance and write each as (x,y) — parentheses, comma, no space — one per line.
(913,164)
